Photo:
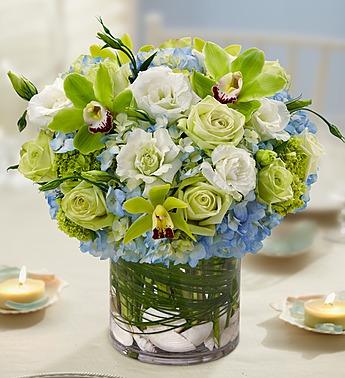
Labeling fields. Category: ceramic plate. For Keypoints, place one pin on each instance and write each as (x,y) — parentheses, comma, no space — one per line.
(54,286)
(292,312)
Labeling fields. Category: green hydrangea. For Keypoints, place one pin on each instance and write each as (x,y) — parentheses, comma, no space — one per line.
(73,162)
(72,229)
(296,161)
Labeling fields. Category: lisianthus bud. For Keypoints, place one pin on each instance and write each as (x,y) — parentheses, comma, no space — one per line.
(24,88)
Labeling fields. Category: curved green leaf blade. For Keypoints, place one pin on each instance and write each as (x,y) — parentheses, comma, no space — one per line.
(138,205)
(79,90)
(139,227)
(86,142)
(67,120)
(22,122)
(249,63)
(217,60)
(201,84)
(174,203)
(104,86)
(157,194)
(181,224)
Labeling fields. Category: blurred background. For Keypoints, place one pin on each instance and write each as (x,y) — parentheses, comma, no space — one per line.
(39,38)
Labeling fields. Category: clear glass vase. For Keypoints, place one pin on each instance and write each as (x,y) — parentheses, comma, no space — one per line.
(175,315)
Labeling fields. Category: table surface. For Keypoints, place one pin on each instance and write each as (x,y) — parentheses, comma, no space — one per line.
(72,335)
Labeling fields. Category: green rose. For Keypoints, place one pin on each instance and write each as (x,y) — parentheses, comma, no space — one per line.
(37,159)
(211,123)
(274,183)
(206,205)
(85,205)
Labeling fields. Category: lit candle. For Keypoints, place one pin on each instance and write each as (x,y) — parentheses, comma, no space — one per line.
(21,289)
(329,310)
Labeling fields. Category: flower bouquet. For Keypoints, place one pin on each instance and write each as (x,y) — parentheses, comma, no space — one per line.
(173,163)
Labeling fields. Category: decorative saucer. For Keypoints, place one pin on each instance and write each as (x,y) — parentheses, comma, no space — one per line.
(292,312)
(54,286)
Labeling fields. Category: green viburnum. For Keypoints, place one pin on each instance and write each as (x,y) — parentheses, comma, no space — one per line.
(74,162)
(274,183)
(85,205)
(72,229)
(265,157)
(297,161)
(37,159)
(207,205)
(211,124)
(157,215)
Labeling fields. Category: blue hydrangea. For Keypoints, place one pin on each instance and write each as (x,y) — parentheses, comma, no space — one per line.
(114,200)
(52,196)
(175,58)
(306,196)
(62,143)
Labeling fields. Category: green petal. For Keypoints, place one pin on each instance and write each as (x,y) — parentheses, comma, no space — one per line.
(263,86)
(122,101)
(67,120)
(233,49)
(204,231)
(139,227)
(86,142)
(104,87)
(174,203)
(97,51)
(138,205)
(246,108)
(79,90)
(249,63)
(217,60)
(201,84)
(157,194)
(181,224)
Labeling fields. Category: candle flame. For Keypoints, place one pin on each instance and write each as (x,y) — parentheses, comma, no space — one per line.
(22,275)
(330,298)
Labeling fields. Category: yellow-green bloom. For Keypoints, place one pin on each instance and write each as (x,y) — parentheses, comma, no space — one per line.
(211,123)
(207,205)
(274,183)
(85,205)
(37,159)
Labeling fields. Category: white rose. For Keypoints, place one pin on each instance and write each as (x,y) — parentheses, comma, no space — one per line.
(234,171)
(270,120)
(44,105)
(147,158)
(163,94)
(312,148)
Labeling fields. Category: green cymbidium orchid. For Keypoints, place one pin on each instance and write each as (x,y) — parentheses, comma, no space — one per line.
(157,215)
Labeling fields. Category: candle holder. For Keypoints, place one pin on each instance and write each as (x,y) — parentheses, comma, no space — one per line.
(54,286)
(292,311)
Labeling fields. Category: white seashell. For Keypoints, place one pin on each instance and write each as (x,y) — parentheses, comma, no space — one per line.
(152,315)
(228,335)
(171,342)
(198,334)
(121,335)
(209,343)
(144,344)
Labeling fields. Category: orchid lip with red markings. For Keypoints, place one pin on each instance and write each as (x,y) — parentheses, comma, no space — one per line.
(98,118)
(227,90)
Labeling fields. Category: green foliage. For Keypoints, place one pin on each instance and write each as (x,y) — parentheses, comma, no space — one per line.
(74,162)
(72,229)
(297,162)
(217,60)
(67,120)
(297,104)
(79,90)
(87,142)
(21,124)
(23,87)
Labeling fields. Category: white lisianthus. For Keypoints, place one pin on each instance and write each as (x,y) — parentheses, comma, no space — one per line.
(233,171)
(147,158)
(312,148)
(44,105)
(270,120)
(163,93)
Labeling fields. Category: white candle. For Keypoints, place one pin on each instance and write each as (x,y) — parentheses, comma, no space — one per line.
(21,289)
(328,310)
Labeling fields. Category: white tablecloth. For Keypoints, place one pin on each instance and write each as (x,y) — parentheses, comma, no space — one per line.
(72,335)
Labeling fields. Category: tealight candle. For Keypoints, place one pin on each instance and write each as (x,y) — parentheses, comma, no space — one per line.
(21,289)
(319,311)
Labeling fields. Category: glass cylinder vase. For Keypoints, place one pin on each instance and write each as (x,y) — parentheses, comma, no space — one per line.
(176,315)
